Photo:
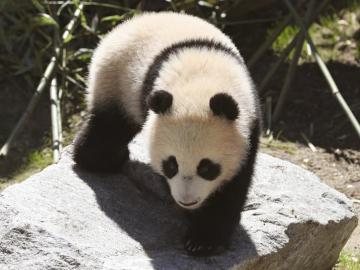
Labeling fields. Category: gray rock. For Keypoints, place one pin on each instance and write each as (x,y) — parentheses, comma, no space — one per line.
(65,218)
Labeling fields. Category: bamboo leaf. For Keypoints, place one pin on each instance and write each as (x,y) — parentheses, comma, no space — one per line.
(83,54)
(45,19)
(62,7)
(68,38)
(113,18)
(94,23)
(38,6)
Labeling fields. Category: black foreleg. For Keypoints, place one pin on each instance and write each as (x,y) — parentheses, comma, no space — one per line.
(102,143)
(211,226)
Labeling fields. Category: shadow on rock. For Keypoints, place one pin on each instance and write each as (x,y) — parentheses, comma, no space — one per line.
(138,201)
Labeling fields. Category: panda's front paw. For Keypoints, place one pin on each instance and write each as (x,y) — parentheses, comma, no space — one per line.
(197,247)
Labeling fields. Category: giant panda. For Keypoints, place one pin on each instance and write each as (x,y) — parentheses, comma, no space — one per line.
(183,82)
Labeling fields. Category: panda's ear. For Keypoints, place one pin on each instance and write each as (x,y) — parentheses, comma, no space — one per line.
(159,101)
(224,105)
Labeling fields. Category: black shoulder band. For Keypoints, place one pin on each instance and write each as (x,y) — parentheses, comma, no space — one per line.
(164,55)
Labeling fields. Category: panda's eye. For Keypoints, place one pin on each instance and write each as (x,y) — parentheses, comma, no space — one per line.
(208,169)
(170,167)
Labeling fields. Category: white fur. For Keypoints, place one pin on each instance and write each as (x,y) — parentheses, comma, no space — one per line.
(191,139)
(122,58)
(215,72)
(190,132)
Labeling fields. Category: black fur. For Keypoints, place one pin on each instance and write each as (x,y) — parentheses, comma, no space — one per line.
(170,167)
(101,145)
(212,225)
(159,101)
(153,71)
(224,105)
(208,170)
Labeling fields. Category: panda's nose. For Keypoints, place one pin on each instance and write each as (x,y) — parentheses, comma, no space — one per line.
(187,178)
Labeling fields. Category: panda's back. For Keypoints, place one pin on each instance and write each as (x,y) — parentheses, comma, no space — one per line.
(123,57)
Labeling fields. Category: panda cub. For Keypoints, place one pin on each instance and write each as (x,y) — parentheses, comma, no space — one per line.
(184,82)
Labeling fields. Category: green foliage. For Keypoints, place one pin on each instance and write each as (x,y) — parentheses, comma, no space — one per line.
(30,30)
(285,38)
(24,43)
(44,19)
(348,261)
(352,5)
(39,159)
(332,32)
(34,162)
(284,146)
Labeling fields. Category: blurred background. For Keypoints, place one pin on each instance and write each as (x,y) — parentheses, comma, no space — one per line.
(308,128)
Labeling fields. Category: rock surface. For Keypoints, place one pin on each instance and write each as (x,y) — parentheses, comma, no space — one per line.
(65,218)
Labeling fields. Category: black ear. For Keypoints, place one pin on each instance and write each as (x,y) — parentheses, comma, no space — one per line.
(159,101)
(224,105)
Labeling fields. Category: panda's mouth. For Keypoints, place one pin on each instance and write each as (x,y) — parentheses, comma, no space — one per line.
(188,204)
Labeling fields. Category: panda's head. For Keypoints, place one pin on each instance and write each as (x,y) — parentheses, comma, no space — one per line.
(196,153)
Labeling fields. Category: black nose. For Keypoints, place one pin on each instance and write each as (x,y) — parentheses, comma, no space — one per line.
(188,178)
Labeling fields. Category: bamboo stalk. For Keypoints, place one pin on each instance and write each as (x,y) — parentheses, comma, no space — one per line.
(277,64)
(42,85)
(309,144)
(262,49)
(59,118)
(334,89)
(287,51)
(268,111)
(61,86)
(293,66)
(54,120)
(270,40)
(289,78)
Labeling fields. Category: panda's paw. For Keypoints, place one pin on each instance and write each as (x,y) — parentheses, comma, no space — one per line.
(196,247)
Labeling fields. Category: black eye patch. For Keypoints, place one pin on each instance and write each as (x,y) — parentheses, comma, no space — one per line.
(170,167)
(208,169)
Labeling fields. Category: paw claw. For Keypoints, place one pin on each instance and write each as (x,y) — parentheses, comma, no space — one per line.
(195,247)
